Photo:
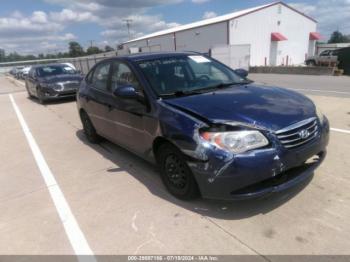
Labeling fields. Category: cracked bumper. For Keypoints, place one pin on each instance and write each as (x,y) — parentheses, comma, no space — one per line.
(259,172)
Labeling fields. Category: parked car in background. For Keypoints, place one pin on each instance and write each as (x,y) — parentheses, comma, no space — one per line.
(326,58)
(70,65)
(25,71)
(12,71)
(47,82)
(16,71)
(211,131)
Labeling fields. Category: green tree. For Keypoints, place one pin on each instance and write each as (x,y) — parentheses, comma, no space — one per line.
(108,48)
(93,50)
(75,49)
(338,37)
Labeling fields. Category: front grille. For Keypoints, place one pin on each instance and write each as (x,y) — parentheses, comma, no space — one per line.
(298,134)
(68,86)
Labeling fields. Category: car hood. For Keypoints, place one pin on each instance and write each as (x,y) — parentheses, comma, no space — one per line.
(269,107)
(61,78)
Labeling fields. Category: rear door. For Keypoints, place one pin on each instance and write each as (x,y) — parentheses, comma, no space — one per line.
(97,98)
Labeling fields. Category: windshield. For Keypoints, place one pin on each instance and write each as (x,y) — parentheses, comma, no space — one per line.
(186,74)
(54,70)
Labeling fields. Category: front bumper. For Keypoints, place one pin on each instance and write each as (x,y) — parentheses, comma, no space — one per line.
(260,172)
(51,94)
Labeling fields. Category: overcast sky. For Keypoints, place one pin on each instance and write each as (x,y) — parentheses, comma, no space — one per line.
(34,26)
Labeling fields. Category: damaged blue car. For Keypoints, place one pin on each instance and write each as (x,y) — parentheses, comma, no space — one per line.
(212,132)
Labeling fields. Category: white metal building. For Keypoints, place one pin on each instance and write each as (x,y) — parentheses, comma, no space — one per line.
(273,34)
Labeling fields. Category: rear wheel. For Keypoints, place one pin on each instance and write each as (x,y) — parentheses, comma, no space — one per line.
(89,129)
(175,173)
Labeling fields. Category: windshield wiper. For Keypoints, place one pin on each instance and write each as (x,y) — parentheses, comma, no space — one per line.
(204,90)
(226,84)
(181,93)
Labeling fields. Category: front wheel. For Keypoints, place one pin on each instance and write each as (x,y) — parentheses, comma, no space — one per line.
(175,173)
(40,96)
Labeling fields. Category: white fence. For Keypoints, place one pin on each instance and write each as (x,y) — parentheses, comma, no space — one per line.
(83,64)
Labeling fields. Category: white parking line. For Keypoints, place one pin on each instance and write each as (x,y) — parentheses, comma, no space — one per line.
(341,130)
(72,229)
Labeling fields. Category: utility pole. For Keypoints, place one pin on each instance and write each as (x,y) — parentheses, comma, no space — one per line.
(128,25)
(91,43)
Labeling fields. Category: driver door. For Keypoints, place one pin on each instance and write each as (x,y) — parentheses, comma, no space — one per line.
(127,115)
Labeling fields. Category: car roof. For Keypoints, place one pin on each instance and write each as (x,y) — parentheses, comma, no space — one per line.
(155,55)
(56,64)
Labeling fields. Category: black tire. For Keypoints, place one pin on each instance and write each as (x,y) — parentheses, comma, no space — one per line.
(176,175)
(40,96)
(89,129)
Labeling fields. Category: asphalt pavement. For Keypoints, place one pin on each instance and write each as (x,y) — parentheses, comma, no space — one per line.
(59,194)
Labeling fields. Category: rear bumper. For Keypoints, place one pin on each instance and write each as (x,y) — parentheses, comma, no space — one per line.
(257,173)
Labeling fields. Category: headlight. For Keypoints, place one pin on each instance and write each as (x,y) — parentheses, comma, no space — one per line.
(319,114)
(236,141)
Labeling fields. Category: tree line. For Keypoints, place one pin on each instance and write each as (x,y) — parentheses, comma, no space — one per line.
(338,37)
(74,50)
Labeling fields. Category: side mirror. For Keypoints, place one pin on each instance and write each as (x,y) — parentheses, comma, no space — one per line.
(128,92)
(241,72)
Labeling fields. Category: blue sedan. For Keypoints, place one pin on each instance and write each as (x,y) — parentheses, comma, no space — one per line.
(212,132)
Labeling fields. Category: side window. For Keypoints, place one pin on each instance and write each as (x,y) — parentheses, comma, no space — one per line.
(122,75)
(324,53)
(335,53)
(100,76)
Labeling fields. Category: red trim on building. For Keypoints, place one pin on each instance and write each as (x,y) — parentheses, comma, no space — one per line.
(278,37)
(315,36)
